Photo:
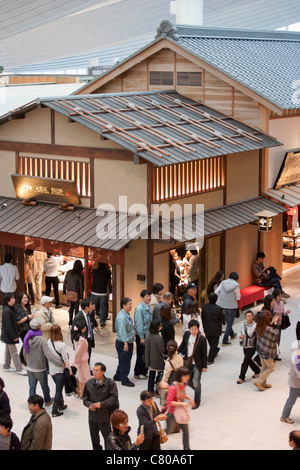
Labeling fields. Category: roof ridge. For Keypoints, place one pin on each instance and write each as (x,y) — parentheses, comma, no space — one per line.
(177,31)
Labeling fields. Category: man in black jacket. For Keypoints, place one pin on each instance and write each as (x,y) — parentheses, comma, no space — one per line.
(212,319)
(10,335)
(194,348)
(189,296)
(87,315)
(100,396)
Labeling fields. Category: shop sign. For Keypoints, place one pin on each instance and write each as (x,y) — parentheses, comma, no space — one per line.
(46,189)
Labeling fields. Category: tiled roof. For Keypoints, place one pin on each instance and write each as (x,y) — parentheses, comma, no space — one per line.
(220,219)
(163,127)
(266,62)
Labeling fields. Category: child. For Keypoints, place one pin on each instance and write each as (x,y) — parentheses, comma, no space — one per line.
(8,439)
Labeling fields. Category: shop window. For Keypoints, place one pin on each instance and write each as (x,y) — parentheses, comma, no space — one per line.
(60,169)
(161,78)
(189,79)
(188,179)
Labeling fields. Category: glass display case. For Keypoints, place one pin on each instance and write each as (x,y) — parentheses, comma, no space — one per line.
(291,248)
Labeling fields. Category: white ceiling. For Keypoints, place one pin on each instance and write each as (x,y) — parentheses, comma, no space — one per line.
(41,31)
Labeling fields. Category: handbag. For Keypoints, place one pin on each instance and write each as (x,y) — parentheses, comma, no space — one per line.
(285,322)
(181,413)
(72,296)
(162,434)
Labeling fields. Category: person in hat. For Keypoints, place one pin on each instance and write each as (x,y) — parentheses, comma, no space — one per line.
(189,296)
(45,316)
(36,353)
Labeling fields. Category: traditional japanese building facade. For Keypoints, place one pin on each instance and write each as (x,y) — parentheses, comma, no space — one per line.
(165,126)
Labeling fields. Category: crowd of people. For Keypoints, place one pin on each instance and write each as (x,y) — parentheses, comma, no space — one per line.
(168,367)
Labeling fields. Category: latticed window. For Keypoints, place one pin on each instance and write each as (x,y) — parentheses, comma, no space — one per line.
(70,170)
(188,179)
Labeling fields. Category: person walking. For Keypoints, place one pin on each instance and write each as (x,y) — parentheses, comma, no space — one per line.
(119,438)
(149,416)
(9,275)
(189,296)
(101,287)
(176,397)
(192,312)
(154,355)
(37,355)
(23,317)
(58,347)
(294,384)
(194,348)
(87,316)
(228,296)
(212,319)
(267,338)
(215,282)
(248,341)
(37,435)
(279,310)
(73,288)
(100,396)
(124,342)
(45,316)
(81,360)
(51,277)
(167,330)
(172,363)
(142,319)
(10,336)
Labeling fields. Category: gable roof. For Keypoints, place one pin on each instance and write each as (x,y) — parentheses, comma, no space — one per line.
(161,127)
(267,63)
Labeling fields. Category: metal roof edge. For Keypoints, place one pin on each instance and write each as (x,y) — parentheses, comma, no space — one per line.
(168,29)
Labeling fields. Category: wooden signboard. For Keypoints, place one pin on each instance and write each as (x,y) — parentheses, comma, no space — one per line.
(289,172)
(46,189)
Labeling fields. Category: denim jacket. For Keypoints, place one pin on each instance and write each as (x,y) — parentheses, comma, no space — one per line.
(142,319)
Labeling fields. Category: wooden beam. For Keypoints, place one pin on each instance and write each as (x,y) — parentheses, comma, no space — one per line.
(67,150)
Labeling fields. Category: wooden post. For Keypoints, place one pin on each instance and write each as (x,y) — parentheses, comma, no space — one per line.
(114,296)
(150,263)
(86,272)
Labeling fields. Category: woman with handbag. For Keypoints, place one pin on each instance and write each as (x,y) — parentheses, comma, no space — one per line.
(149,417)
(177,407)
(73,288)
(57,347)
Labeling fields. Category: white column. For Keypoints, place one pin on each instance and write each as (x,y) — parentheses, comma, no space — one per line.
(188,11)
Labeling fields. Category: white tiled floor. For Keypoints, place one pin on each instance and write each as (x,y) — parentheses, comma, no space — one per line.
(231,416)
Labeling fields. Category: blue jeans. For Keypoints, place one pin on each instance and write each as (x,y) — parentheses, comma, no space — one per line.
(195,383)
(123,368)
(101,306)
(42,378)
(230,314)
(294,394)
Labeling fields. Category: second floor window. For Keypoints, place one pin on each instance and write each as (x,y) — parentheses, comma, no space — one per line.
(188,179)
(161,78)
(60,169)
